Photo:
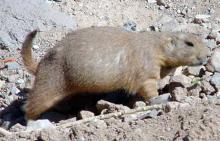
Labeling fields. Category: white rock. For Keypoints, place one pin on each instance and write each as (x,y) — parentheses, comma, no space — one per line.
(36,47)
(2,83)
(215,60)
(203,17)
(151,1)
(38,124)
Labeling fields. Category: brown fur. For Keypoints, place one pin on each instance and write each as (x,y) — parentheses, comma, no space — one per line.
(103,59)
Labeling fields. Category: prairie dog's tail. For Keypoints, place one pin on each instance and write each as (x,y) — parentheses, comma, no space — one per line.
(26,53)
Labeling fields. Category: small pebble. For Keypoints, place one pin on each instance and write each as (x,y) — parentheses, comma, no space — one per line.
(36,47)
(151,1)
(179,94)
(2,83)
(12,65)
(130,26)
(14,90)
(215,60)
(161,99)
(139,104)
(85,114)
(215,80)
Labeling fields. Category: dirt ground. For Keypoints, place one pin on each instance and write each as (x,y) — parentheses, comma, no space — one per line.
(191,113)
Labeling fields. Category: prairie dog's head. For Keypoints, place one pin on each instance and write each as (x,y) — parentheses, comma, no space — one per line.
(184,49)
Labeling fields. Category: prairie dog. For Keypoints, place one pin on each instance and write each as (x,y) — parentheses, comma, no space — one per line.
(103,59)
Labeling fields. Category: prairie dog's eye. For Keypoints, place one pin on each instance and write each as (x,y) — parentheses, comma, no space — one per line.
(188,43)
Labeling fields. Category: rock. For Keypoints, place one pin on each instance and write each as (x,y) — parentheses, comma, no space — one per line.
(17,128)
(21,83)
(163,82)
(151,1)
(161,2)
(215,80)
(13,78)
(36,47)
(201,18)
(179,94)
(194,90)
(211,43)
(181,79)
(178,71)
(202,96)
(215,59)
(195,70)
(130,26)
(14,90)
(39,124)
(139,104)
(99,124)
(207,88)
(37,14)
(52,134)
(109,107)
(85,114)
(12,65)
(2,65)
(2,84)
(175,105)
(161,99)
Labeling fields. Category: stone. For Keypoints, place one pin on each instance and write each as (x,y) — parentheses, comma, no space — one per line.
(201,18)
(52,134)
(161,99)
(181,79)
(14,90)
(211,43)
(178,71)
(12,65)
(85,114)
(36,47)
(194,90)
(161,2)
(215,80)
(2,65)
(151,1)
(39,124)
(21,83)
(207,88)
(13,78)
(130,26)
(2,84)
(17,128)
(163,82)
(179,94)
(139,104)
(215,59)
(195,70)
(109,107)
